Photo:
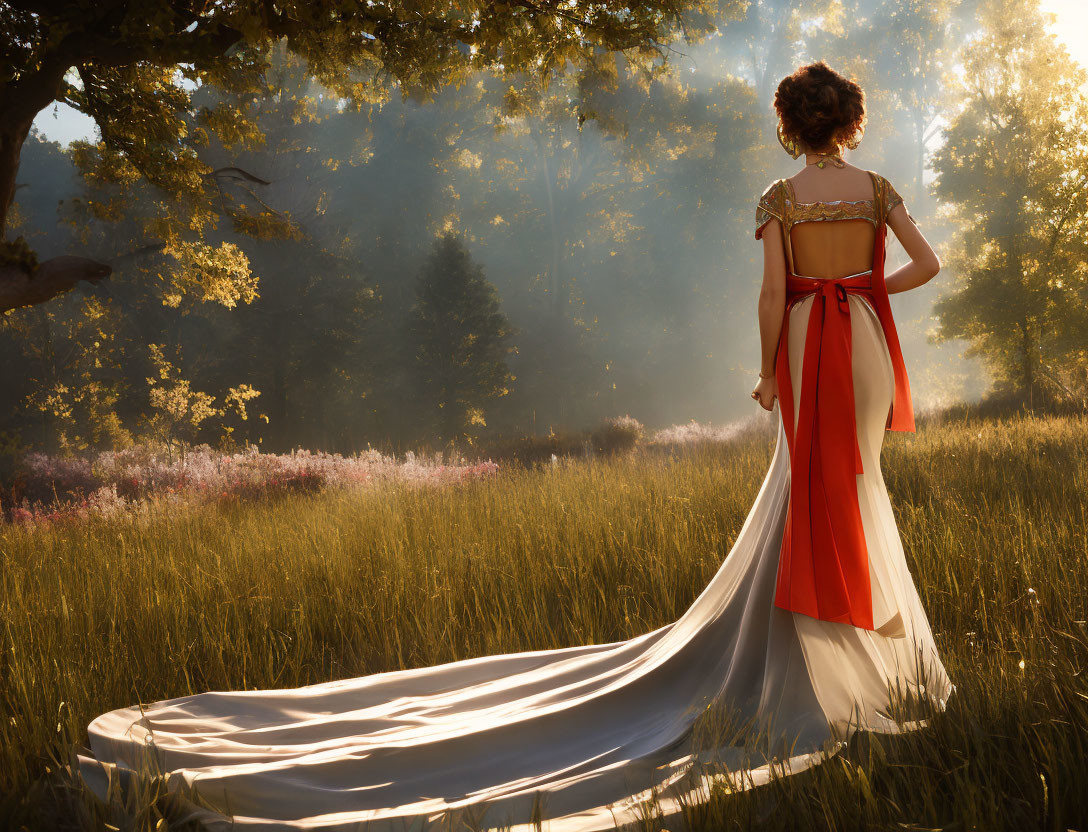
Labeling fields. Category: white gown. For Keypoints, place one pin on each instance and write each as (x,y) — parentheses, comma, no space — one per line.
(574,735)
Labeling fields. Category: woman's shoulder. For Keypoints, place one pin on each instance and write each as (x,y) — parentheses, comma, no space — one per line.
(771,205)
(772,189)
(887,196)
(885,189)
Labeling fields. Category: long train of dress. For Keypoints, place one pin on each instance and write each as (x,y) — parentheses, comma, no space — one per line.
(574,735)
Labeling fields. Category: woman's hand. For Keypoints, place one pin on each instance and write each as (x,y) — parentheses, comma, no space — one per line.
(765,392)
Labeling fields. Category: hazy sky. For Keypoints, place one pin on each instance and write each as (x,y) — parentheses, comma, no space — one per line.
(1072,17)
(63,124)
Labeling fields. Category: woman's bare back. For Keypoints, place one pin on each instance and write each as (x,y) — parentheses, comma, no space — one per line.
(837,248)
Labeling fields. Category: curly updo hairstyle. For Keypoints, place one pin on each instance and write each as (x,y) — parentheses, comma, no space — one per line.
(819,108)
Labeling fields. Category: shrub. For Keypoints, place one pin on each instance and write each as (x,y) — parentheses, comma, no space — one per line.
(616,435)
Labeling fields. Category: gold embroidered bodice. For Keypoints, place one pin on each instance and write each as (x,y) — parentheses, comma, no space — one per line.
(779,202)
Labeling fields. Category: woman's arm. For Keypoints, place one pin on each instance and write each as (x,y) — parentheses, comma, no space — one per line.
(772,308)
(923,265)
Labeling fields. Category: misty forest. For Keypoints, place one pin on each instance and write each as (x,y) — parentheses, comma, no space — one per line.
(360,337)
(352,253)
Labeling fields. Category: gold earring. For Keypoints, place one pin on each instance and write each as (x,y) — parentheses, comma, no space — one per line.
(854,142)
(788,144)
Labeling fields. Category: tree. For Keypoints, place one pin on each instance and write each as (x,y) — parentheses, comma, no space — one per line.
(900,52)
(461,339)
(603,208)
(133,66)
(78,368)
(1015,166)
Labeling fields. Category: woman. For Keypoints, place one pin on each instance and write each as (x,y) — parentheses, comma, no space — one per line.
(811,628)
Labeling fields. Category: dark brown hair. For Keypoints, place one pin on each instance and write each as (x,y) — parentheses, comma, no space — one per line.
(819,108)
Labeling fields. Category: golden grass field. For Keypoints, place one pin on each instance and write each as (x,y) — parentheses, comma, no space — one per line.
(99,614)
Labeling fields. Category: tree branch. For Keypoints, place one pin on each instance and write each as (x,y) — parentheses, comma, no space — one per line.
(53,277)
(236,174)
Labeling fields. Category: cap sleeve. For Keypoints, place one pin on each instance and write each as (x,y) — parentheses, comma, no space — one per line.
(770,207)
(892,199)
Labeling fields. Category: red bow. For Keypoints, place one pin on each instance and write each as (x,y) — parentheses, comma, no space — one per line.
(823,570)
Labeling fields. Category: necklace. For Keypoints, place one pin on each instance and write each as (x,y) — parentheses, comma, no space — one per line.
(834,158)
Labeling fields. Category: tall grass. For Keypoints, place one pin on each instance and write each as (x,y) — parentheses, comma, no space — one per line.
(99,614)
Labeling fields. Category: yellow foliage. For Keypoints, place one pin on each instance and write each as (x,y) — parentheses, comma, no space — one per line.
(219,274)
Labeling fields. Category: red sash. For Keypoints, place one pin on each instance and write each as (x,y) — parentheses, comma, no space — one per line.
(823,570)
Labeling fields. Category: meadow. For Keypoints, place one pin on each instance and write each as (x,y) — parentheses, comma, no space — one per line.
(292,588)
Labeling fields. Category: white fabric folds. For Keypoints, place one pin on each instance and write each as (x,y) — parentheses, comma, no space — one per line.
(573,736)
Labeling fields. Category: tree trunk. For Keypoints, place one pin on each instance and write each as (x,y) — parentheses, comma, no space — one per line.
(556,280)
(277,400)
(1027,363)
(20,102)
(13,132)
(920,134)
